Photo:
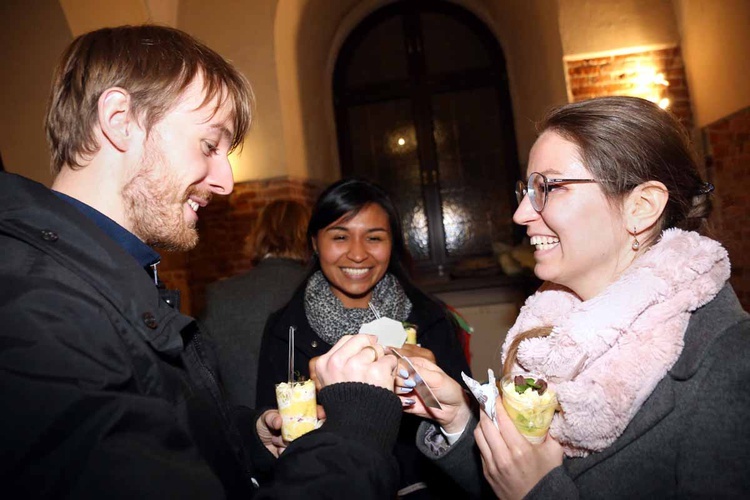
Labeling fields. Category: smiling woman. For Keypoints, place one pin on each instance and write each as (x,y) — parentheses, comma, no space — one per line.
(636,329)
(359,271)
(354,253)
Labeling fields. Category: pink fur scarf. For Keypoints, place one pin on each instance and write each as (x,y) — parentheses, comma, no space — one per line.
(606,355)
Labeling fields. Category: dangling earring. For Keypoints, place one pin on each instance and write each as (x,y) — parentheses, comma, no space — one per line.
(636,244)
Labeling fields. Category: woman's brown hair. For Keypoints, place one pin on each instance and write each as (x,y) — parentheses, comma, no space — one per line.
(280,231)
(624,142)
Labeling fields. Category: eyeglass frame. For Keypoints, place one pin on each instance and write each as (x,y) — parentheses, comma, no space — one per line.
(522,188)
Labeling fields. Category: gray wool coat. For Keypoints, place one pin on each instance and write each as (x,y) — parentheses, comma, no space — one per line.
(690,439)
(235,315)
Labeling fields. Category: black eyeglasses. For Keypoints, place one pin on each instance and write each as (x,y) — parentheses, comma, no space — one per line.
(537,188)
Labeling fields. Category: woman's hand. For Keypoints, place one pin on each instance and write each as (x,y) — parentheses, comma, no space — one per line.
(356,358)
(268,427)
(415,351)
(454,400)
(510,463)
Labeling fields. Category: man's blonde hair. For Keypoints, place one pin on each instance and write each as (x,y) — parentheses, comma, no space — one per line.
(154,64)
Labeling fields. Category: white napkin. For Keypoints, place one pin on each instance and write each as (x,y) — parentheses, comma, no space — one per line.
(486,394)
(390,332)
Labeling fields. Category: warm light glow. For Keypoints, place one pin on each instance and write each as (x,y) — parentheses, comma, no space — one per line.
(651,85)
(455,223)
(401,140)
(234,159)
(417,232)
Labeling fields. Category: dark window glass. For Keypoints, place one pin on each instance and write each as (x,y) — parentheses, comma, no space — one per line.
(423,109)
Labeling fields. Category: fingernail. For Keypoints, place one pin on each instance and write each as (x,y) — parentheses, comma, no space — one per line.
(408,401)
(403,373)
(404,389)
(409,383)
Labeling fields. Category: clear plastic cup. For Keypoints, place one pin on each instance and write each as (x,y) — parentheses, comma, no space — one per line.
(298,408)
(531,413)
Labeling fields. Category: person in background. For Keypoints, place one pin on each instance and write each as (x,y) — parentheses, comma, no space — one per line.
(636,327)
(237,308)
(358,273)
(106,390)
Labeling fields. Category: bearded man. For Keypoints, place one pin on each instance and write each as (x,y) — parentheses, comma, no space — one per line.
(107,390)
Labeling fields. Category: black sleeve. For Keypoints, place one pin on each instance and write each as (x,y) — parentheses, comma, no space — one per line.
(70,426)
(350,456)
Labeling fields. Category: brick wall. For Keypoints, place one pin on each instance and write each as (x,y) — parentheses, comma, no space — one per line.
(623,74)
(729,171)
(223,226)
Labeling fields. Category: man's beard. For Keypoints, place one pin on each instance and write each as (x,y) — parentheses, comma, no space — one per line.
(154,203)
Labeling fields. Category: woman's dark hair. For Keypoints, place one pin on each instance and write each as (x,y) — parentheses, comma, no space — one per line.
(626,141)
(348,197)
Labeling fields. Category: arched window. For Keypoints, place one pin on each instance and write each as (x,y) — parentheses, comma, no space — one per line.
(423,109)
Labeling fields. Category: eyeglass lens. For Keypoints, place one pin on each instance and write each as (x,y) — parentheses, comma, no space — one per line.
(536,189)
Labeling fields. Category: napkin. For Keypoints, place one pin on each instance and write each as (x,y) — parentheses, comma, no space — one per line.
(390,332)
(486,394)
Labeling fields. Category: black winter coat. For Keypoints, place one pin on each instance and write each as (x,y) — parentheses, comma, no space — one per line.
(435,331)
(108,392)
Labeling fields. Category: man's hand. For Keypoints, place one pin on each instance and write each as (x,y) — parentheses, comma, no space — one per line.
(313,373)
(356,359)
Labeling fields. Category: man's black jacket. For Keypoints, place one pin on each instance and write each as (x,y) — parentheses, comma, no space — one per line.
(108,392)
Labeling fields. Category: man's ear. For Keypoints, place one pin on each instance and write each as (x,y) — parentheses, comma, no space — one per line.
(645,204)
(115,118)
(314,245)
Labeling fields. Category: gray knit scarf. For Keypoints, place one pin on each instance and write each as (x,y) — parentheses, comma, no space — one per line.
(330,320)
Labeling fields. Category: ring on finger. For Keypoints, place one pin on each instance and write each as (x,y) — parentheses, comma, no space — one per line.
(374,350)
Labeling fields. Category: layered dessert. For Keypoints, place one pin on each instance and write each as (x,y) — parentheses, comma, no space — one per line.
(411,333)
(530,403)
(297,406)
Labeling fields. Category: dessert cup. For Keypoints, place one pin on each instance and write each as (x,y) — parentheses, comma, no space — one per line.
(530,412)
(297,406)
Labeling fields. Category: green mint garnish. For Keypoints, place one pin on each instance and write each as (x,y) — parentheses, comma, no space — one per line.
(522,383)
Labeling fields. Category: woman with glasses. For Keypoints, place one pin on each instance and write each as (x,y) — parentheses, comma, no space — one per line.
(636,326)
